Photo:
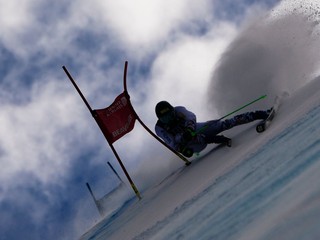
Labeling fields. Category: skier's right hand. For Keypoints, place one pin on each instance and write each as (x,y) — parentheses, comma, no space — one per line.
(187,135)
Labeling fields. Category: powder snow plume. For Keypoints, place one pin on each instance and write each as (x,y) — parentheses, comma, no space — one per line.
(276,53)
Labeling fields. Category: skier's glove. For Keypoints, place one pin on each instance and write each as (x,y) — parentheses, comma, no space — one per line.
(187,152)
(187,135)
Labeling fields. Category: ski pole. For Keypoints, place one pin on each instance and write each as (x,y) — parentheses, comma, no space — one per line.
(256,100)
(227,115)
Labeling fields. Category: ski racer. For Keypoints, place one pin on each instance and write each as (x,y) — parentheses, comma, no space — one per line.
(178,127)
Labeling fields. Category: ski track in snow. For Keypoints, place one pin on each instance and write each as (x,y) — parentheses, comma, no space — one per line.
(266,188)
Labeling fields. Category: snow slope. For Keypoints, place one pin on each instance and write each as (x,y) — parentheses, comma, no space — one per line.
(264,187)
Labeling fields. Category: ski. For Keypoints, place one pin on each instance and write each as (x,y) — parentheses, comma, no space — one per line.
(263,125)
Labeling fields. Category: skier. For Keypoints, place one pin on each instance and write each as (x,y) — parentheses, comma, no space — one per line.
(179,129)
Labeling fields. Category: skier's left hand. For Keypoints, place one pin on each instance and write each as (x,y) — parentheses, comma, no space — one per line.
(187,152)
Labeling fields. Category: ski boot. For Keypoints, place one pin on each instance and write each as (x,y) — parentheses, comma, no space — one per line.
(220,139)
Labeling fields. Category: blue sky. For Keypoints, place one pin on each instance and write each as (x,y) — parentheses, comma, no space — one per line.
(49,144)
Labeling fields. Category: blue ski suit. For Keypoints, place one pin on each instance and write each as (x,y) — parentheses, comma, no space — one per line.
(207,132)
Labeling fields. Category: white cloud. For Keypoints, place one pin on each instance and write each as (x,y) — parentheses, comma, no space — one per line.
(39,136)
(16,21)
(15,15)
(146,22)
